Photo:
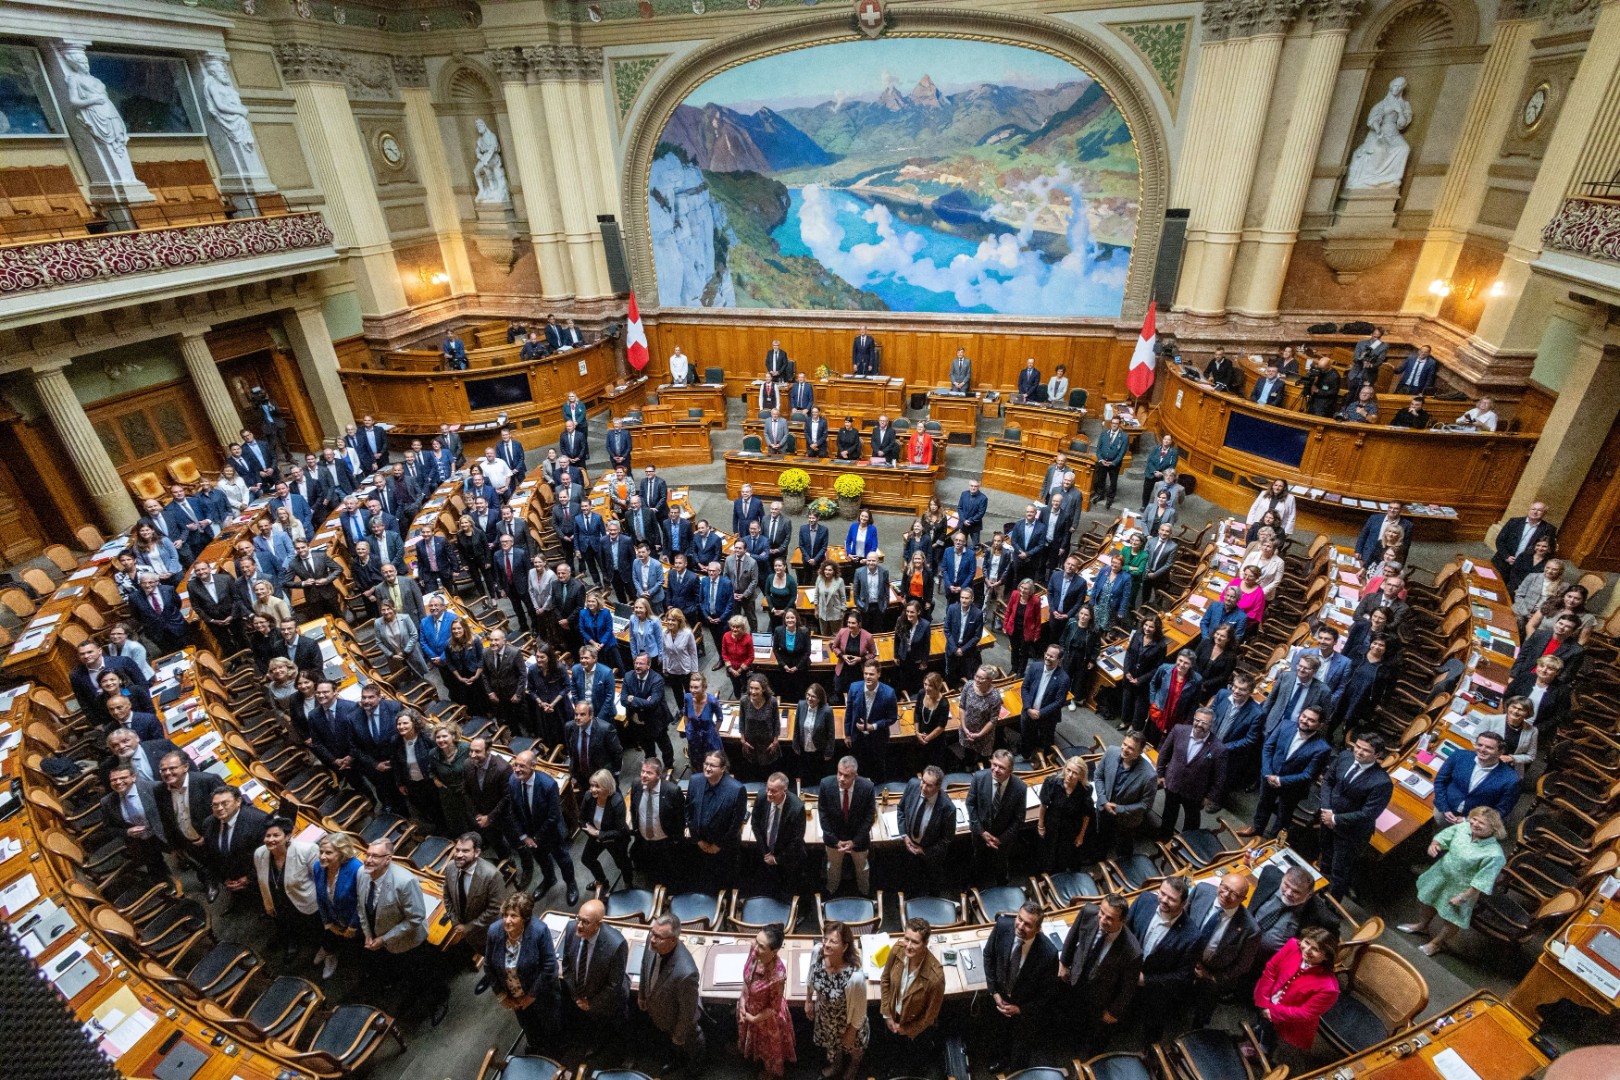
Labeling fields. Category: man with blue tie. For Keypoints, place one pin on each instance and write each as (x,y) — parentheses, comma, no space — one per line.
(592,682)
(1065,592)
(355,522)
(511,451)
(553,333)
(1111,448)
(1045,690)
(746,508)
(964,626)
(971,506)
(454,352)
(642,523)
(681,586)
(1029,379)
(654,492)
(1269,388)
(589,532)
(676,534)
(1479,779)
(536,828)
(573,445)
(813,540)
(261,466)
(618,445)
(1240,727)
(373,737)
(715,807)
(1294,757)
(1417,375)
(870,713)
(802,397)
(332,723)
(190,524)
(957,568)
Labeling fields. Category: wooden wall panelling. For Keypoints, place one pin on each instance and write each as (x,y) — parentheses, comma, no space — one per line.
(61,503)
(353,352)
(145,430)
(1591,534)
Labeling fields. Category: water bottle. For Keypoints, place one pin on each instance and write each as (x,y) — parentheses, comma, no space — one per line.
(1423,742)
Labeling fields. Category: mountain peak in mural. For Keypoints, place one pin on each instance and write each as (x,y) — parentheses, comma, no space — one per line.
(925,95)
(718,139)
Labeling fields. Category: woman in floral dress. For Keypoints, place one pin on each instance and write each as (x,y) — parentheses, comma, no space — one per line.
(764,1028)
(837,1002)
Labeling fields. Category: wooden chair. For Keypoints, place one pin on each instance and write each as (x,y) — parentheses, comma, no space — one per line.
(38,580)
(183,470)
(1211,1054)
(343,1044)
(146,485)
(941,913)
(861,915)
(756,912)
(61,558)
(1382,993)
(18,602)
(89,537)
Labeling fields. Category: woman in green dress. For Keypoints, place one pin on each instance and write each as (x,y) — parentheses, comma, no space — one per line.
(1136,560)
(449,777)
(1470,856)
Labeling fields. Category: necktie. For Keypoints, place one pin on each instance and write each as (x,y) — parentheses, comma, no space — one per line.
(995,804)
(582,960)
(528,799)
(157,602)
(509,567)
(1298,698)
(225,838)
(376,732)
(466,878)
(846,804)
(371,907)
(770,833)
(584,747)
(1015,963)
(657,970)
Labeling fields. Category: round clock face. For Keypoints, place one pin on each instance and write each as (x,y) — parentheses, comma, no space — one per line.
(1534,107)
(391,151)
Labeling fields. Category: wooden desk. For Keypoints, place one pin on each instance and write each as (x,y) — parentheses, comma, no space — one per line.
(1549,980)
(621,398)
(49,657)
(676,412)
(710,397)
(1045,427)
(897,488)
(1440,410)
(1021,470)
(418,402)
(1492,1038)
(847,393)
(685,442)
(958,414)
(1476,473)
(902,438)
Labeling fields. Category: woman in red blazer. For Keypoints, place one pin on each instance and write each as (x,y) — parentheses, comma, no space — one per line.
(1022,624)
(1297,987)
(921,450)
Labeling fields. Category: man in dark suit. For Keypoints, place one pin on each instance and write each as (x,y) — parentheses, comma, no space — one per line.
(1240,727)
(190,527)
(777,823)
(261,460)
(157,610)
(1056,523)
(1270,388)
(511,575)
(185,804)
(332,723)
(1295,691)
(131,809)
(863,357)
(641,522)
(374,439)
(745,508)
(303,651)
(121,714)
(802,397)
(488,789)
(1029,377)
(870,711)
(233,834)
(815,429)
(964,629)
(658,820)
(847,804)
(996,807)
(1171,945)
(675,535)
(214,601)
(715,808)
(1293,758)
(596,984)
(335,476)
(813,543)
(1283,903)
(1321,387)
(1223,373)
(314,573)
(1020,971)
(618,445)
(535,827)
(646,713)
(1101,960)
(1417,374)
(143,757)
(1111,448)
(669,994)
(681,588)
(870,593)
(1229,942)
(1388,598)
(654,492)
(92,662)
(572,444)
(778,368)
(593,745)
(511,451)
(592,683)
(1355,791)
(503,678)
(884,443)
(1519,535)
(1370,541)
(1044,691)
(927,821)
(1191,768)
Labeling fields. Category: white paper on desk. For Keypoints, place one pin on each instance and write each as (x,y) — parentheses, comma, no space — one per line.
(10,846)
(19,894)
(804,960)
(891,823)
(80,575)
(728,968)
(10,742)
(1451,1066)
(118,1042)
(1590,972)
(9,698)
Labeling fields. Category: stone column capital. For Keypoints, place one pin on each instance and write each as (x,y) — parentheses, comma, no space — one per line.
(1514,10)
(48,366)
(511,64)
(1335,14)
(410,71)
(311,63)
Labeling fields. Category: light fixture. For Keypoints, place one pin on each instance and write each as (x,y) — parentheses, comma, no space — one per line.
(437,277)
(1440,287)
(1497,289)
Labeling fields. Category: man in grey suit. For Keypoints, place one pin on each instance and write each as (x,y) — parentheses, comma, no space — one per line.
(403,592)
(1127,785)
(596,987)
(313,572)
(130,807)
(1282,902)
(1295,692)
(473,891)
(1161,559)
(393,925)
(743,571)
(669,993)
(962,372)
(927,820)
(872,594)
(1101,960)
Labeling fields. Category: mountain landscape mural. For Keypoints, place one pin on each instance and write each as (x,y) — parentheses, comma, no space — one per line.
(903,174)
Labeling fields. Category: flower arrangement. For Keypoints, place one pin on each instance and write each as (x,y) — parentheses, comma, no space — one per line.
(849,486)
(793,481)
(823,507)
(824,372)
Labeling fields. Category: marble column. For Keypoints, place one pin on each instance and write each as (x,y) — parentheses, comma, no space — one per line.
(97,130)
(433,169)
(83,445)
(1220,224)
(1189,188)
(588,99)
(230,134)
(311,343)
(555,68)
(1584,146)
(1588,402)
(211,388)
(1313,93)
(536,179)
(1491,109)
(315,76)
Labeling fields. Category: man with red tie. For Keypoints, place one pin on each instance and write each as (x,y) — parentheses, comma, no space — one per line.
(157,609)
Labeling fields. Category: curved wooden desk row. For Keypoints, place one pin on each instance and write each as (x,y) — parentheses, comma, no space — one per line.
(902,489)
(1225,438)
(683,442)
(1442,410)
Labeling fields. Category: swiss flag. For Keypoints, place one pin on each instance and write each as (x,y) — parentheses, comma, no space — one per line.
(635,348)
(1139,379)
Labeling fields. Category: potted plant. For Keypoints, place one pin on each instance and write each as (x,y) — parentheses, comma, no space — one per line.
(824,508)
(849,488)
(794,483)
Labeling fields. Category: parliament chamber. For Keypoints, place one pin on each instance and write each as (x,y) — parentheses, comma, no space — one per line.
(1040,540)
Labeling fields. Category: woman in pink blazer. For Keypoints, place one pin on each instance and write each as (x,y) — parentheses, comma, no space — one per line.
(1297,987)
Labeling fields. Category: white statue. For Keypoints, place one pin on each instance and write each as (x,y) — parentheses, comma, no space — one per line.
(225,104)
(488,170)
(94,109)
(1380,160)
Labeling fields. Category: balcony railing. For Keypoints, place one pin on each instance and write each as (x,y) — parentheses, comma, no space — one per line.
(1589,227)
(25,268)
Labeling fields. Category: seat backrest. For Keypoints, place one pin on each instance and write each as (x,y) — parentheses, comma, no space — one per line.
(1077,398)
(183,470)
(17,602)
(1389,985)
(39,581)
(89,537)
(61,558)
(714,375)
(146,485)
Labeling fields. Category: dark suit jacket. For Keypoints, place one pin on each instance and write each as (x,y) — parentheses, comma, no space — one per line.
(835,827)
(715,812)
(884,443)
(200,796)
(223,605)
(503,677)
(1111,982)
(1508,540)
(303,652)
(490,797)
(1234,954)
(154,750)
(369,749)
(1355,806)
(540,819)
(167,621)
(536,966)
(1570,652)
(1195,780)
(1274,396)
(1300,768)
(246,837)
(671,809)
(941,828)
(480,908)
(980,805)
(789,847)
(605,982)
(1037,976)
(112,812)
(604,751)
(88,693)
(1169,968)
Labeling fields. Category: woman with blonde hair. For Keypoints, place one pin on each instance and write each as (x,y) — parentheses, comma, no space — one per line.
(679,647)
(281,683)
(602,817)
(233,488)
(1066,811)
(737,654)
(1469,857)
(449,761)
(288,526)
(831,598)
(335,873)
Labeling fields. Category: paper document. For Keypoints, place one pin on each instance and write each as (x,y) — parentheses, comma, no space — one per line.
(1451,1066)
(728,968)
